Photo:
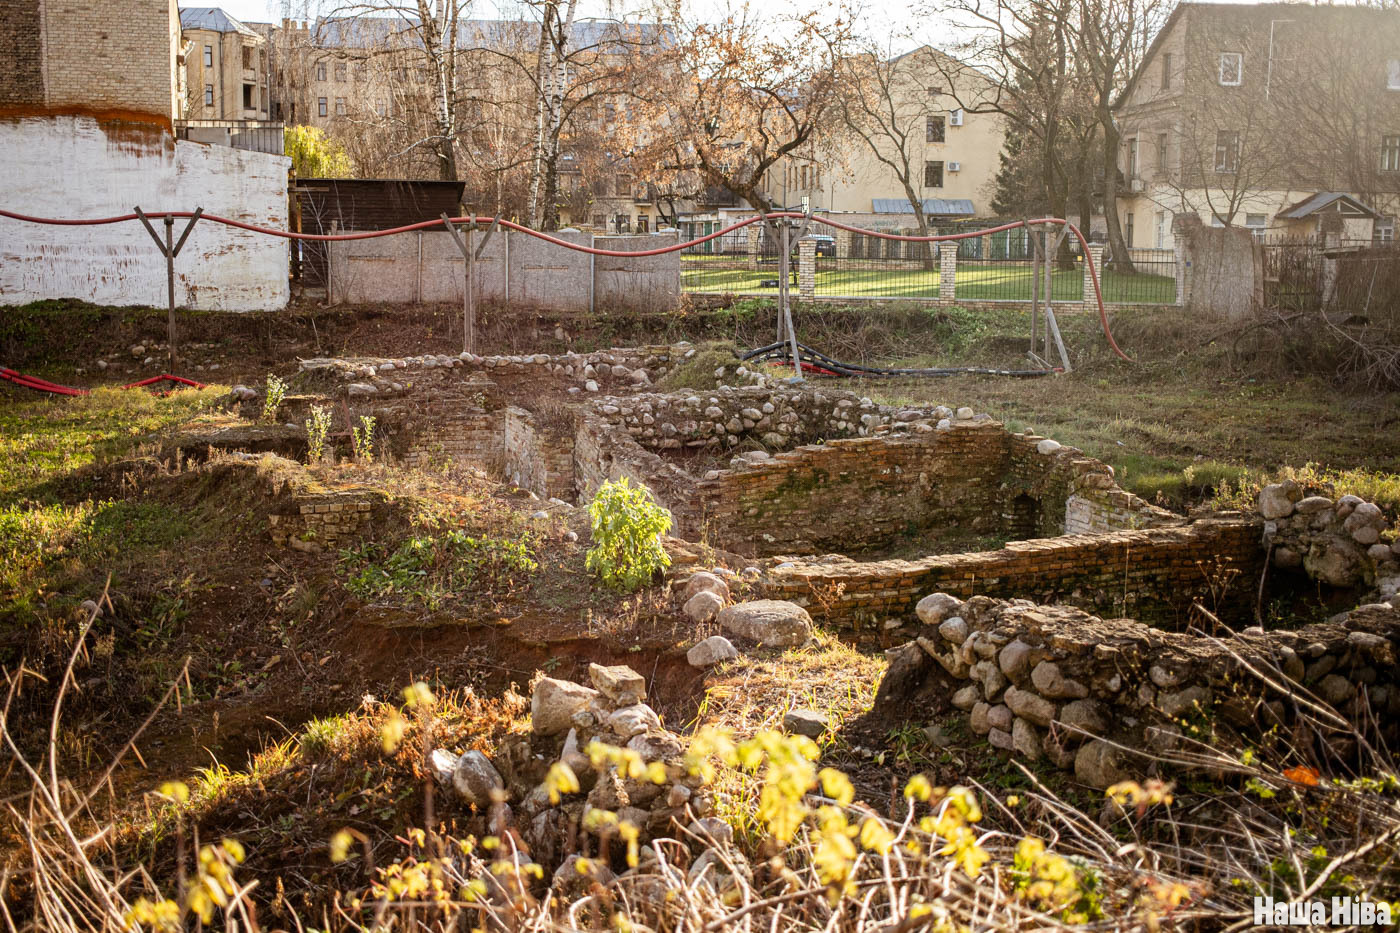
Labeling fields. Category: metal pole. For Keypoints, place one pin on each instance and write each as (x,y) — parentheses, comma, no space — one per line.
(170,287)
(592,275)
(783,270)
(469,299)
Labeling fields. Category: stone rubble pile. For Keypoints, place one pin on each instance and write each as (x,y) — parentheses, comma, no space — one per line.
(637,367)
(1339,542)
(771,623)
(675,810)
(1050,682)
(776,418)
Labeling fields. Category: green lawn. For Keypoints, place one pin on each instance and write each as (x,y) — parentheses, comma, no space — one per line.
(975,281)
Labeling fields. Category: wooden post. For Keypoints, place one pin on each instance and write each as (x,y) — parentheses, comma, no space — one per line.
(170,249)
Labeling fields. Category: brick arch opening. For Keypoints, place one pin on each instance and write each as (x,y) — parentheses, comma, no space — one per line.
(1023,517)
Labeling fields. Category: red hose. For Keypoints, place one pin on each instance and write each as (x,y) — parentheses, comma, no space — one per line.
(53,388)
(620,254)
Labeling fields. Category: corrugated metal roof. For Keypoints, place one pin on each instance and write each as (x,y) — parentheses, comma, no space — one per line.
(940,206)
(213,19)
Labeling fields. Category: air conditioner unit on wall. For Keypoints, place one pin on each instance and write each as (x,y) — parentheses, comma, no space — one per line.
(1135,185)
(955,166)
(955,118)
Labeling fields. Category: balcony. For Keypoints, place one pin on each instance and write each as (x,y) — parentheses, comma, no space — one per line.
(253,135)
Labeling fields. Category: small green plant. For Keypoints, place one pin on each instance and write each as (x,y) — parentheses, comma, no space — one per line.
(362,436)
(272,401)
(627,530)
(318,426)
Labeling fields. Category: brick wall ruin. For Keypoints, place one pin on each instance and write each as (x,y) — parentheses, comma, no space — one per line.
(1152,574)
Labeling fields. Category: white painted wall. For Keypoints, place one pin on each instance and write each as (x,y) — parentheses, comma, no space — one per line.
(73,167)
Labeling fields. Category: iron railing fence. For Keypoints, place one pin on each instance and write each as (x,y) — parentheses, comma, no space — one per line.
(1151,280)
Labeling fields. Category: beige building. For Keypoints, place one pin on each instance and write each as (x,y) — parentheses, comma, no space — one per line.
(952,156)
(226,67)
(1273,117)
(114,56)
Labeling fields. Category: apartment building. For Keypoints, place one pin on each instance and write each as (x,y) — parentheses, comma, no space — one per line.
(227,70)
(952,154)
(1279,117)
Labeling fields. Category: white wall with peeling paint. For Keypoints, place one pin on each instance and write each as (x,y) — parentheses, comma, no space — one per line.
(76,167)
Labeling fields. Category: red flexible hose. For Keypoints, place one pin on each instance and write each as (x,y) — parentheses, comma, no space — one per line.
(53,388)
(620,254)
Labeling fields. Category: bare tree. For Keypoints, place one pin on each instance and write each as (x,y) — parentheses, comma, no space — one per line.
(731,97)
(1113,37)
(1026,48)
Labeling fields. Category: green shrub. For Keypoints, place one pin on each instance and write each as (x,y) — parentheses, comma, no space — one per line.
(362,437)
(318,426)
(627,530)
(276,392)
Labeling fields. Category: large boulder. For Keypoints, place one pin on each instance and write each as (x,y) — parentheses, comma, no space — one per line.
(705,582)
(554,702)
(711,651)
(703,606)
(936,607)
(774,623)
(1335,560)
(476,778)
(619,683)
(1278,500)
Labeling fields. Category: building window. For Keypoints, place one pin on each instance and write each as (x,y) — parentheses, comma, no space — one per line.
(340,71)
(1162,154)
(643,223)
(320,106)
(935,129)
(935,90)
(340,106)
(1132,168)
(1166,70)
(1385,230)
(1256,223)
(1161,242)
(1231,69)
(249,101)
(933,174)
(1128,229)
(320,71)
(208,56)
(1227,151)
(247,58)
(208,95)
(380,107)
(1392,74)
(1390,153)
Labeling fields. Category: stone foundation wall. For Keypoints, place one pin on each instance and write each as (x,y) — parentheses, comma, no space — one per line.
(1343,543)
(320,522)
(1057,683)
(882,476)
(1153,574)
(535,459)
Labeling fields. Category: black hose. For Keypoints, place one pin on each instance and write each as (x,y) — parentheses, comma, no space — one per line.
(781,352)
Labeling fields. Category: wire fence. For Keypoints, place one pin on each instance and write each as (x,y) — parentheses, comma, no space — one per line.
(993,267)
(1352,275)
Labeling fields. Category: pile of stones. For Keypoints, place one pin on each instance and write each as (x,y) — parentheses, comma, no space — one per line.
(1335,542)
(1052,682)
(777,418)
(613,710)
(769,623)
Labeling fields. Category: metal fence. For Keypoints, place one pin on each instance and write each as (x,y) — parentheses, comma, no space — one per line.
(989,268)
(1152,279)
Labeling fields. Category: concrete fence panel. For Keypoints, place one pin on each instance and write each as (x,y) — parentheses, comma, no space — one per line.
(644,283)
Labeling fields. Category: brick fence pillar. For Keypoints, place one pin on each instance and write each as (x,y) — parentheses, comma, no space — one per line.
(947,270)
(1096,257)
(807,268)
(751,233)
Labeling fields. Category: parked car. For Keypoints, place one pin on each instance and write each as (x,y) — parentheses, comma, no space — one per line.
(826,245)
